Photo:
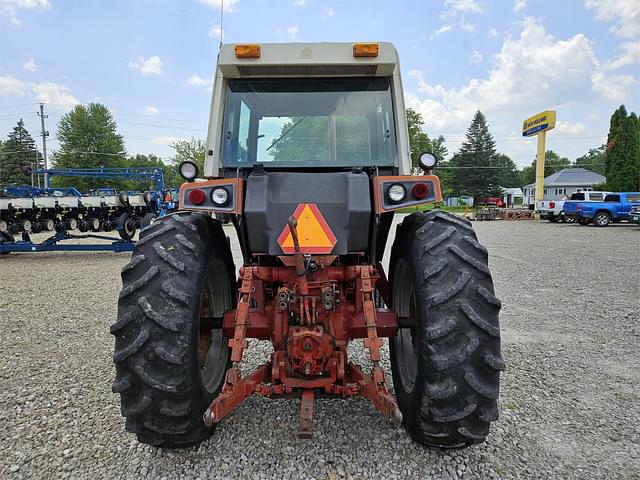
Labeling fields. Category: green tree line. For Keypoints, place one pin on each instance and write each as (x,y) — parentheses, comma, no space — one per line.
(89,137)
(478,169)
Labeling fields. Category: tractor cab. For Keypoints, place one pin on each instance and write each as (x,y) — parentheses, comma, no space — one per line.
(309,124)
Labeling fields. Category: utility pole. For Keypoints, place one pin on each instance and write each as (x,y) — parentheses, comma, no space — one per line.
(45,134)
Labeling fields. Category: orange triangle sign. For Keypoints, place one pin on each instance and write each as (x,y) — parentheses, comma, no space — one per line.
(314,234)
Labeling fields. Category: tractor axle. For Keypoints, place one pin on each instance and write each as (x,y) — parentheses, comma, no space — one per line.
(310,328)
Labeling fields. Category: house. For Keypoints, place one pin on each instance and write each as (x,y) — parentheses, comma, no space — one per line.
(563,183)
(512,196)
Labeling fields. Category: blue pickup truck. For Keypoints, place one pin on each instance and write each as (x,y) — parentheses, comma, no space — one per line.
(614,208)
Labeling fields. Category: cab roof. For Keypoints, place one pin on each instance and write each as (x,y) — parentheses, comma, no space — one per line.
(308,60)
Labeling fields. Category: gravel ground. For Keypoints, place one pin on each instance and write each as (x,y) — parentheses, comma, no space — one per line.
(569,403)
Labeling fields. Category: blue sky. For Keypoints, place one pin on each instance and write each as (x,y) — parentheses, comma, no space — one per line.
(151,61)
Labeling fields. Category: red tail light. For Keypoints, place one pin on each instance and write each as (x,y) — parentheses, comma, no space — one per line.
(420,190)
(552,204)
(196,196)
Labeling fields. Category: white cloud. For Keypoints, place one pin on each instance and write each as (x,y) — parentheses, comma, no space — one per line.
(519,5)
(166,140)
(493,33)
(443,29)
(626,13)
(614,87)
(30,65)
(468,27)
(151,110)
(329,12)
(13,87)
(57,95)
(216,31)
(556,72)
(299,3)
(570,128)
(293,32)
(150,66)
(463,6)
(228,4)
(476,57)
(9,8)
(630,55)
(46,92)
(197,81)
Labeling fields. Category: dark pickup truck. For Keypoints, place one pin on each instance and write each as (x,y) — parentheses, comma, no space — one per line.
(614,208)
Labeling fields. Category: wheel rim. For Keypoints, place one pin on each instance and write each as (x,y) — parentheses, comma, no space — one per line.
(26,225)
(405,342)
(130,227)
(49,224)
(95,224)
(4,226)
(213,348)
(73,224)
(602,219)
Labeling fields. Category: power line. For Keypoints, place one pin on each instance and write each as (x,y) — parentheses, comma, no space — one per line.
(127,114)
(169,127)
(159,118)
(18,105)
(17,114)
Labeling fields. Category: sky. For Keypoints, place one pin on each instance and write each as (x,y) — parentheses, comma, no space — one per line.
(151,61)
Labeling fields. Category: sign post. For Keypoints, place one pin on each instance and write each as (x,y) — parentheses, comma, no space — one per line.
(538,125)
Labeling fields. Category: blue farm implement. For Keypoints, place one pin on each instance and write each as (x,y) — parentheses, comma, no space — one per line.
(27,210)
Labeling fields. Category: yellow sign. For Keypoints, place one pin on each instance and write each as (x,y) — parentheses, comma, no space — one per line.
(539,123)
(314,233)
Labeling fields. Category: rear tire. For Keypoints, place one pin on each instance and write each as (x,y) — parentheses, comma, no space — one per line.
(602,219)
(147,219)
(583,221)
(126,226)
(169,364)
(446,370)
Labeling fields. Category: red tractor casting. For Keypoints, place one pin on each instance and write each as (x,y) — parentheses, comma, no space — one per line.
(308,156)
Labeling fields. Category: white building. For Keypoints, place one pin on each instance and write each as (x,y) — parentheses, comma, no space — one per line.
(512,196)
(563,183)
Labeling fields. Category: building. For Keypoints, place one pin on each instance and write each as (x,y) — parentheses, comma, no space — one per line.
(563,183)
(512,196)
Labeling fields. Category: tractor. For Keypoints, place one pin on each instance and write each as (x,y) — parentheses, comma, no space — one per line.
(308,155)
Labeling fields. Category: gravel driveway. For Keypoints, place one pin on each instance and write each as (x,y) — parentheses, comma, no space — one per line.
(569,403)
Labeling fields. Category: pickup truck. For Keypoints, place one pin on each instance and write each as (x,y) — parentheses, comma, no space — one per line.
(554,210)
(615,208)
(634,214)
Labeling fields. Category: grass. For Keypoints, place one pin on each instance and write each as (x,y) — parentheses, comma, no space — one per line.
(500,471)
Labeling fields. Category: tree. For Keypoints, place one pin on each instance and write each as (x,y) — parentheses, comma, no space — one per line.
(192,150)
(506,171)
(439,149)
(420,142)
(88,139)
(475,167)
(18,152)
(595,160)
(171,177)
(302,139)
(552,163)
(623,152)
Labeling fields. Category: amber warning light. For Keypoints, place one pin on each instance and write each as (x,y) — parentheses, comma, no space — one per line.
(365,50)
(248,51)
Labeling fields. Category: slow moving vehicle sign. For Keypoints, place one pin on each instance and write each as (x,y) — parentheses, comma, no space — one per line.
(539,123)
(314,231)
